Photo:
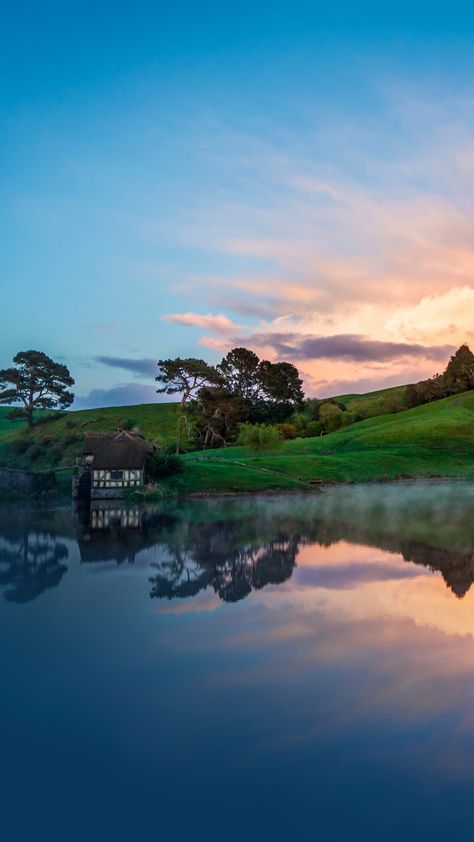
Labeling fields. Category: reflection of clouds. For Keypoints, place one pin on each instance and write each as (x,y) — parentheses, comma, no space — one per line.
(339,668)
(422,598)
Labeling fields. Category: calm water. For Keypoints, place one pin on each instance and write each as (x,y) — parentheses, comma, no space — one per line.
(267,668)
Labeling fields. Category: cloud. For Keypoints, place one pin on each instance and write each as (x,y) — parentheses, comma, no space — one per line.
(123,394)
(347,576)
(139,367)
(210,321)
(349,347)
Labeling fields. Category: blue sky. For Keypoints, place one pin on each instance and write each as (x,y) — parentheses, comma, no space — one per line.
(179,178)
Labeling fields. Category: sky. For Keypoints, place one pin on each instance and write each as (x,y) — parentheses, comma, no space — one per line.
(178,179)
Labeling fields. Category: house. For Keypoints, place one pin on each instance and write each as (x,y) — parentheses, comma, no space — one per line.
(111,463)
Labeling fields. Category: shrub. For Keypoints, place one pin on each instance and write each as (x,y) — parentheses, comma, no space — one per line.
(287,431)
(330,414)
(33,452)
(162,465)
(20,446)
(127,424)
(347,419)
(259,437)
(47,441)
(55,453)
(313,428)
(71,439)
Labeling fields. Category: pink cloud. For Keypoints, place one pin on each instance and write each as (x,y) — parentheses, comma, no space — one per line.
(209,321)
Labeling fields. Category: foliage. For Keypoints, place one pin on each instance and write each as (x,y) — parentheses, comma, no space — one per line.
(186,377)
(287,431)
(37,382)
(55,454)
(34,452)
(157,423)
(271,391)
(240,373)
(313,428)
(127,424)
(162,465)
(259,437)
(458,377)
(436,440)
(20,446)
(330,416)
(217,414)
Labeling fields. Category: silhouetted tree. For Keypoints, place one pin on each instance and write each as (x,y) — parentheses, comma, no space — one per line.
(459,374)
(37,382)
(30,564)
(217,416)
(185,377)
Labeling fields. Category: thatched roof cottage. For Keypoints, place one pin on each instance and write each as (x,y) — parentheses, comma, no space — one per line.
(114,462)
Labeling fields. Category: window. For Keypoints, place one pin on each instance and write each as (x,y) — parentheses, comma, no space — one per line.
(116,475)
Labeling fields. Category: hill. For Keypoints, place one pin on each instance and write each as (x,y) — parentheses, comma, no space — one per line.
(381,402)
(433,440)
(57,442)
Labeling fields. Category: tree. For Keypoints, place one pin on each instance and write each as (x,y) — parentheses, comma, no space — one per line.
(259,437)
(240,371)
(218,415)
(330,415)
(186,377)
(281,383)
(37,382)
(459,374)
(271,390)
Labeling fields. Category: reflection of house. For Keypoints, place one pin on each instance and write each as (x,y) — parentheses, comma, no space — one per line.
(112,462)
(104,518)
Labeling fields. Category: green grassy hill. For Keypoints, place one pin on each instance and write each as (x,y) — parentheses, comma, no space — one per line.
(433,440)
(58,442)
(381,402)
(436,439)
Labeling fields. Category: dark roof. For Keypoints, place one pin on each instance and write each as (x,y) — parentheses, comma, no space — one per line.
(117,450)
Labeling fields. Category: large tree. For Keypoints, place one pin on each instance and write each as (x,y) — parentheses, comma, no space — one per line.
(459,374)
(240,370)
(271,390)
(185,377)
(36,381)
(281,383)
(218,414)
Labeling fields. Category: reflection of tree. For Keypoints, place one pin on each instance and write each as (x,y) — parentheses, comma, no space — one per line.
(455,565)
(217,555)
(456,568)
(30,563)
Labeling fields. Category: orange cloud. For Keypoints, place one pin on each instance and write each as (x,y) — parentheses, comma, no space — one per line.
(209,321)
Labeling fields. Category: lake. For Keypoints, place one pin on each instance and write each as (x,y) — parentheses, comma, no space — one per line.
(271,667)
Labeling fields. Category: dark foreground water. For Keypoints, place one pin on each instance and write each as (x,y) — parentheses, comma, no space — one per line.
(261,668)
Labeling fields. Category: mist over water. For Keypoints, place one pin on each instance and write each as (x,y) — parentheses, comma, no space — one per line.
(302,663)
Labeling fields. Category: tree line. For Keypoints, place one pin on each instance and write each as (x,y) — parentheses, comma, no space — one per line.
(456,378)
(217,400)
(243,399)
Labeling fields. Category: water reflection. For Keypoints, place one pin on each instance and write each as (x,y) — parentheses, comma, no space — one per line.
(237,546)
(32,559)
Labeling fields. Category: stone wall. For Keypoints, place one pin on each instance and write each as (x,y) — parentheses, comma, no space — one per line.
(24,483)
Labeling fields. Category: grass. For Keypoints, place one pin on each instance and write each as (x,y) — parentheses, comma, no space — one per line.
(429,441)
(434,440)
(58,442)
(381,402)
